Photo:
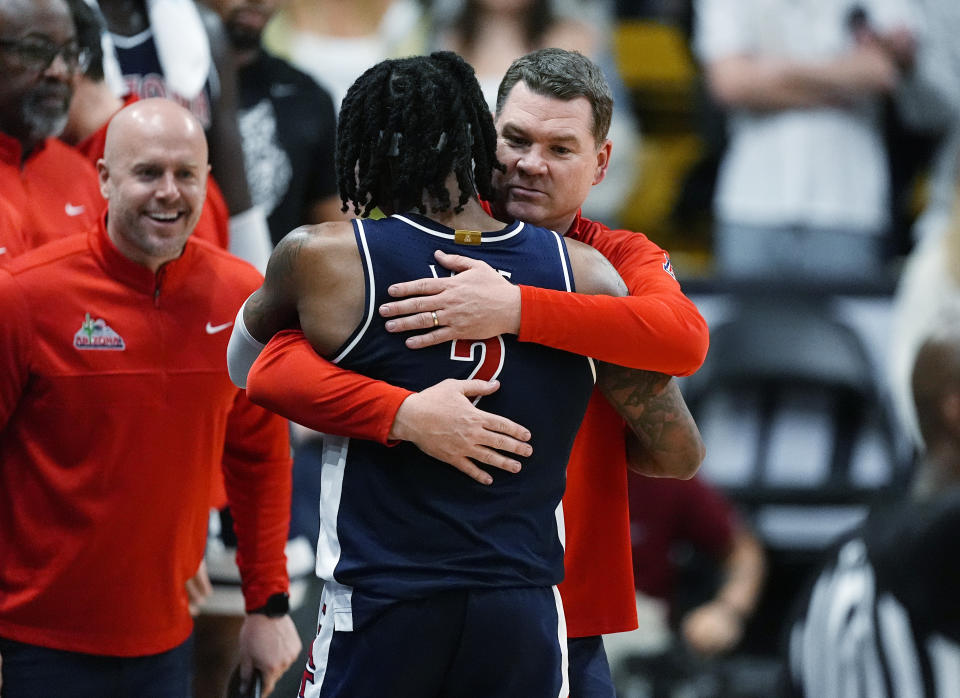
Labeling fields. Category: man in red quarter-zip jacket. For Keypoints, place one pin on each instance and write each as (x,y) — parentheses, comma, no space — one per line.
(115,405)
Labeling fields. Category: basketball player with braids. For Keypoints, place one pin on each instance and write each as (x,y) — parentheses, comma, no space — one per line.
(554,107)
(435,584)
(459,133)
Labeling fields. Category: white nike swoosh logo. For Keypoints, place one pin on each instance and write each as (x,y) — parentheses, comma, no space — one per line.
(3,250)
(213,329)
(74,210)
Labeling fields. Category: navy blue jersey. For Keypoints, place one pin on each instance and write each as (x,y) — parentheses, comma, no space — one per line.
(143,75)
(397,524)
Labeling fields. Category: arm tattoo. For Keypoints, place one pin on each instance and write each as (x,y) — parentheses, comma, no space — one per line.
(286,253)
(655,411)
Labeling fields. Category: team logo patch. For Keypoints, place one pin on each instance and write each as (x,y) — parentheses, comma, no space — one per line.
(97,334)
(667,266)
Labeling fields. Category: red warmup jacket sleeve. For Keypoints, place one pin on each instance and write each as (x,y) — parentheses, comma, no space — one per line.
(291,379)
(258,476)
(655,328)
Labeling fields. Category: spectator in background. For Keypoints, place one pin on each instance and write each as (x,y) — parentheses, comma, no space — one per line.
(930,281)
(288,126)
(672,520)
(115,406)
(490,34)
(803,188)
(930,101)
(881,618)
(94,104)
(334,41)
(666,514)
(47,190)
(169,48)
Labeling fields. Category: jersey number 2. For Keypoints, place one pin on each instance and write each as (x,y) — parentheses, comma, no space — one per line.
(489,362)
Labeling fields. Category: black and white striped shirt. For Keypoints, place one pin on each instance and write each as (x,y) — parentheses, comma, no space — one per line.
(882,618)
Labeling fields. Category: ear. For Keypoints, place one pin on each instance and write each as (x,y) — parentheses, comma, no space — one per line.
(603,161)
(103,174)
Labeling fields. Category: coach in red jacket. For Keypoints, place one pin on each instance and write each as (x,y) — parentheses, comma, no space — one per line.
(114,407)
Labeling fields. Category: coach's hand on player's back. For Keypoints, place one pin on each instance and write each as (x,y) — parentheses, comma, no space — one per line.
(477,302)
(443,422)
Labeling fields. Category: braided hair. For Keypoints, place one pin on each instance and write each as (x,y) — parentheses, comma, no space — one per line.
(404,126)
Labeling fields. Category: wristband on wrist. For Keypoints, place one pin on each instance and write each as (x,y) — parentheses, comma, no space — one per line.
(277,606)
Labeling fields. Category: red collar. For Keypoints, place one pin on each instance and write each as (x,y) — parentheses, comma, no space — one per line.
(138,277)
(571,232)
(11,151)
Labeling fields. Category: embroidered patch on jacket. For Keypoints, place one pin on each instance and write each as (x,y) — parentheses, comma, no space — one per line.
(667,266)
(97,334)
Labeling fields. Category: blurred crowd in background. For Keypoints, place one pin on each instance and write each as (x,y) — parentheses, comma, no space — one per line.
(799,160)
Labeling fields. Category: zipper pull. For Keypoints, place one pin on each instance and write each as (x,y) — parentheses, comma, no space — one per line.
(156,288)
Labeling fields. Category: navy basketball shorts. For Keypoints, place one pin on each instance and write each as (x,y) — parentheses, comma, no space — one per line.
(30,671)
(589,670)
(457,644)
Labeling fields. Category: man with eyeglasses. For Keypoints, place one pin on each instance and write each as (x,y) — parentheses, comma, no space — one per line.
(47,189)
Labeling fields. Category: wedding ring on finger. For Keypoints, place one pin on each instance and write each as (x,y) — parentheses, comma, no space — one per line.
(436,320)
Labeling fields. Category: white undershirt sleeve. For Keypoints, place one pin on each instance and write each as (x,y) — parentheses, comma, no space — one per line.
(242,350)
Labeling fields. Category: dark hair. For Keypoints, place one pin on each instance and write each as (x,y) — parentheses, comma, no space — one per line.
(536,20)
(89,26)
(404,126)
(557,72)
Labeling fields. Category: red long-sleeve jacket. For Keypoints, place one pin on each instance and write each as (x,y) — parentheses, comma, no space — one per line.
(115,406)
(53,193)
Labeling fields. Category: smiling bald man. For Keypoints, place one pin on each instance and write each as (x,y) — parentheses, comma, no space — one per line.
(115,407)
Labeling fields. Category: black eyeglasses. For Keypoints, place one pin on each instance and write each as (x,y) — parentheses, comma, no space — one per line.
(37,54)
